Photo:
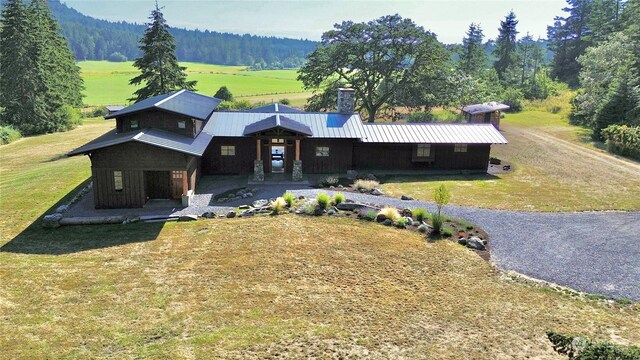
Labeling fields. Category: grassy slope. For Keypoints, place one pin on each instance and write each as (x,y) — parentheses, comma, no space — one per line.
(237,287)
(550,175)
(108,83)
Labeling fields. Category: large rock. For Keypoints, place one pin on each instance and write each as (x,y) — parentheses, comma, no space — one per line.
(62,208)
(51,221)
(406,212)
(349,206)
(406,197)
(209,215)
(260,203)
(475,243)
(387,222)
(244,207)
(381,218)
(377,192)
(231,214)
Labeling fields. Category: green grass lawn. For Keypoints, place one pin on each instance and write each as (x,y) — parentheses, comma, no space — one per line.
(108,82)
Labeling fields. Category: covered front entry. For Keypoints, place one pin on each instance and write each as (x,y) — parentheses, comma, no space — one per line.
(164,184)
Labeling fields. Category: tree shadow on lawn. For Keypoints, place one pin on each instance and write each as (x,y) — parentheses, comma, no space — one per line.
(71,239)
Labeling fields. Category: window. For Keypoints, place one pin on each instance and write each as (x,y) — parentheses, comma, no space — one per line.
(423,150)
(134,124)
(117,180)
(277,141)
(182,124)
(227,150)
(176,174)
(460,148)
(322,151)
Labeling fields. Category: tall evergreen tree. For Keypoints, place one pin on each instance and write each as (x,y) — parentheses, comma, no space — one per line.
(505,50)
(159,67)
(473,57)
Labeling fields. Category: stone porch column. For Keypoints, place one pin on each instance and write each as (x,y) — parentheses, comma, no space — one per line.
(296,174)
(258,170)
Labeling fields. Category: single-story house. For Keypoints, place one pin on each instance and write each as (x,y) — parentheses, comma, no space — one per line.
(486,113)
(162,145)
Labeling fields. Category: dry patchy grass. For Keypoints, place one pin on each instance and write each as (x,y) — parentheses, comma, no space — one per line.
(245,288)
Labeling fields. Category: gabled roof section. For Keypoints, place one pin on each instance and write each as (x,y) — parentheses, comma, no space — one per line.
(154,137)
(484,108)
(321,125)
(180,102)
(275,108)
(433,134)
(277,122)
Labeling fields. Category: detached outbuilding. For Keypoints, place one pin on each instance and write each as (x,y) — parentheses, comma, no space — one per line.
(162,145)
(485,113)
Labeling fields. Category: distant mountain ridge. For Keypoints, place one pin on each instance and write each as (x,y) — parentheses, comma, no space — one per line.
(94,39)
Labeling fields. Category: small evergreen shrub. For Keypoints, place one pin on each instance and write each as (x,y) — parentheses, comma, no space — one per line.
(289,198)
(329,181)
(367,185)
(100,111)
(420,214)
(309,209)
(278,206)
(436,223)
(370,215)
(447,232)
(284,101)
(338,198)
(401,222)
(420,117)
(8,134)
(323,201)
(391,213)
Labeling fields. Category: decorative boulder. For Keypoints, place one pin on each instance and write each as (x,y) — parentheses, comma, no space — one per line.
(462,241)
(209,215)
(244,207)
(188,218)
(409,220)
(475,243)
(387,222)
(247,213)
(349,206)
(381,218)
(231,214)
(423,229)
(331,212)
(51,221)
(260,203)
(377,192)
(405,197)
(62,208)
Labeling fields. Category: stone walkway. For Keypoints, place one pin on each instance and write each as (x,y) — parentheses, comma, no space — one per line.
(594,252)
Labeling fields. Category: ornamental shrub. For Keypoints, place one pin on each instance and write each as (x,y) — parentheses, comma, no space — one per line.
(436,223)
(370,215)
(289,198)
(278,205)
(323,201)
(367,185)
(401,222)
(419,214)
(8,134)
(329,181)
(338,198)
(391,213)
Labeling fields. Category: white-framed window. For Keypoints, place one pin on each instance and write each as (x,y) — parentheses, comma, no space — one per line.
(227,150)
(182,124)
(423,150)
(117,180)
(134,124)
(322,151)
(460,148)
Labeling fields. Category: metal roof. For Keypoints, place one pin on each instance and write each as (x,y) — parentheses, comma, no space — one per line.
(277,121)
(275,108)
(155,137)
(181,102)
(113,108)
(432,134)
(484,108)
(321,125)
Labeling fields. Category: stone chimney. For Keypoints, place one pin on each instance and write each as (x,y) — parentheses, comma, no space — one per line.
(346,101)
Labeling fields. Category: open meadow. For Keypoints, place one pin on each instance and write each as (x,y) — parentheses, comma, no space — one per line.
(107,83)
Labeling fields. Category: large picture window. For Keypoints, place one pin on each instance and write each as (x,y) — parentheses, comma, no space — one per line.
(117,180)
(322,151)
(460,148)
(227,150)
(423,150)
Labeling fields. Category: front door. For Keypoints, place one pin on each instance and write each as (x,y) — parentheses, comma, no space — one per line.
(176,184)
(157,184)
(277,159)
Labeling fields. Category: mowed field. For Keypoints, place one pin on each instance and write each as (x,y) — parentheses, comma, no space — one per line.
(107,83)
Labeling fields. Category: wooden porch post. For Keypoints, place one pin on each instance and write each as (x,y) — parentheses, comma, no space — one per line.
(258,150)
(297,149)
(185,187)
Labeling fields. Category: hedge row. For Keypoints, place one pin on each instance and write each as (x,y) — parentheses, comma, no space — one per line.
(623,140)
(8,134)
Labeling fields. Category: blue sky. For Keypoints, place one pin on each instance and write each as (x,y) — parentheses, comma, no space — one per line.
(310,18)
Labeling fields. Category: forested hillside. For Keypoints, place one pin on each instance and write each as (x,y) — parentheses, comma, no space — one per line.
(93,39)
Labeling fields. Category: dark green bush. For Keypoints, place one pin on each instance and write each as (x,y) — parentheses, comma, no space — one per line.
(284,101)
(420,117)
(329,181)
(436,223)
(513,97)
(223,94)
(100,111)
(8,134)
(623,140)
(581,348)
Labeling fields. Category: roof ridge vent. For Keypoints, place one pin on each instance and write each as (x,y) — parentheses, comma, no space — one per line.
(169,97)
(277,119)
(276,107)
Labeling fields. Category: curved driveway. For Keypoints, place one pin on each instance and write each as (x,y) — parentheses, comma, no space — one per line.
(594,252)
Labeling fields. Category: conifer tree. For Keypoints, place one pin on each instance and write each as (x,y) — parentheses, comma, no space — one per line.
(505,50)
(159,67)
(473,57)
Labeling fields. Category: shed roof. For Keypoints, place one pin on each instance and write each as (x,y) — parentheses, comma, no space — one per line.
(275,108)
(181,102)
(155,137)
(277,121)
(484,108)
(319,125)
(113,108)
(432,134)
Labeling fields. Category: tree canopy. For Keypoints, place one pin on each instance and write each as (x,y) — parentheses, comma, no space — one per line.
(473,57)
(224,94)
(158,65)
(505,50)
(378,59)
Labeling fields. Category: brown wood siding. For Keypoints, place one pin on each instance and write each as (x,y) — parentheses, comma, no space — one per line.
(242,163)
(160,120)
(399,157)
(135,155)
(486,118)
(339,160)
(106,197)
